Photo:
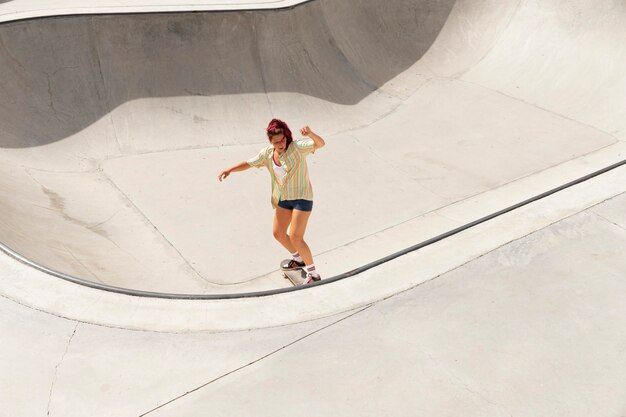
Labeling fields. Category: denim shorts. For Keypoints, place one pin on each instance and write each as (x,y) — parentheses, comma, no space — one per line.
(300,205)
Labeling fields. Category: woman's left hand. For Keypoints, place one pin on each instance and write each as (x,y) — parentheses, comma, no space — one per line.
(306,131)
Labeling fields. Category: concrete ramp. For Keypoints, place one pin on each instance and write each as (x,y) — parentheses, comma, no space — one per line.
(113,129)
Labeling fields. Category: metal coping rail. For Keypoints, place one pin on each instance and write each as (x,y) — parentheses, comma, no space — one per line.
(149,294)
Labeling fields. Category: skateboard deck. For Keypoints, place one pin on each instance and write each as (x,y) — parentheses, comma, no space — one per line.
(296,276)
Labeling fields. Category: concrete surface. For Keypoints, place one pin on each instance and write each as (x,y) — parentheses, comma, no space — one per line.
(113,127)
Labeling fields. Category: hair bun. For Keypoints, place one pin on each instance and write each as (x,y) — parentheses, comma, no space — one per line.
(276,124)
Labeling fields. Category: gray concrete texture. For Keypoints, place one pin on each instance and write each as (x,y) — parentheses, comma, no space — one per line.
(113,128)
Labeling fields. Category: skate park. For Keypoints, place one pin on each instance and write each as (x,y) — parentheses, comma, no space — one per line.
(133,283)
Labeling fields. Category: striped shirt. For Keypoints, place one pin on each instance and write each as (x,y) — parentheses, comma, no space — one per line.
(296,185)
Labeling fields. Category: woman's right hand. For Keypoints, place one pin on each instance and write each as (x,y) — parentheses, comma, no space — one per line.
(223,175)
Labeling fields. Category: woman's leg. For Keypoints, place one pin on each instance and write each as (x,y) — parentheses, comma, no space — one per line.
(282,219)
(299,220)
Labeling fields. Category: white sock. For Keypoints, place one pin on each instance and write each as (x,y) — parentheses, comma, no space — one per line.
(296,256)
(311,270)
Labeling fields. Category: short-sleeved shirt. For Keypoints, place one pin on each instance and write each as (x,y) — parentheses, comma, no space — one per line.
(296,185)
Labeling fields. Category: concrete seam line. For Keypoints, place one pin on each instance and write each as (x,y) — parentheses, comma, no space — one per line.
(56,368)
(595,213)
(540,108)
(356,271)
(144,216)
(257,360)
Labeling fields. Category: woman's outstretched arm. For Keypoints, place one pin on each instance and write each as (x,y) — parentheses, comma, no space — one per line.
(242,166)
(318,142)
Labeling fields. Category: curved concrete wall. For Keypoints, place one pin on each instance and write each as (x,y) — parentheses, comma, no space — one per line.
(112,128)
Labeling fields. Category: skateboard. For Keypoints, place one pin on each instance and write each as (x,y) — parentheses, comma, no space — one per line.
(297,276)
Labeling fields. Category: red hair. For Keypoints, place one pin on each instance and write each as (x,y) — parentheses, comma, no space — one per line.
(277,124)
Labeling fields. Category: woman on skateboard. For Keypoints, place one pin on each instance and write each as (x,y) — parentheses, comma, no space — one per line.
(292,194)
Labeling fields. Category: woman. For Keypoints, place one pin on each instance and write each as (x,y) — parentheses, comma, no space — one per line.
(292,194)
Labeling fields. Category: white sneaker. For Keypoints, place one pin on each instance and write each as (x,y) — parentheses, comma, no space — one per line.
(311,278)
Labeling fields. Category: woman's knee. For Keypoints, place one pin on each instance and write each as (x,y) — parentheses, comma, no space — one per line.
(296,239)
(280,235)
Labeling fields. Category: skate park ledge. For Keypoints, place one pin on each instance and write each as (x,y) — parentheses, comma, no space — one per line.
(38,290)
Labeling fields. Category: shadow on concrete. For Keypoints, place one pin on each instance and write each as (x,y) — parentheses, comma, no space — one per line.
(59,75)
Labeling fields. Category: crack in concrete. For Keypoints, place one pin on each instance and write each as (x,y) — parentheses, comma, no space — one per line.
(82,264)
(9,54)
(260,61)
(102,232)
(145,217)
(64,68)
(104,87)
(272,353)
(540,108)
(56,112)
(51,100)
(56,369)
(592,210)
(97,225)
